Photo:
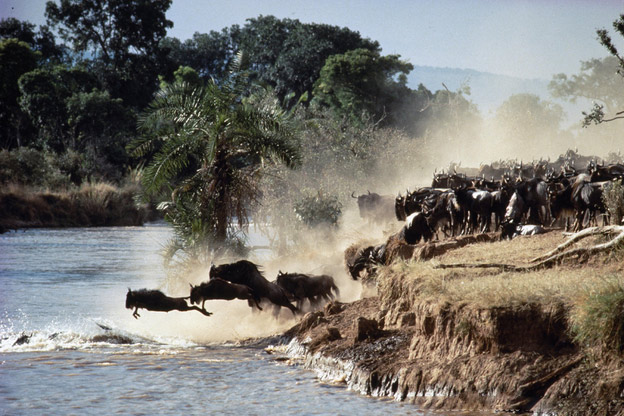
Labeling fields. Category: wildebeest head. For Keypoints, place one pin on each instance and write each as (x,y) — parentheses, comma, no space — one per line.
(195,294)
(399,206)
(130,302)
(281,277)
(508,229)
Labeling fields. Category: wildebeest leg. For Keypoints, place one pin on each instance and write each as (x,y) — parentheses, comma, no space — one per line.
(202,310)
(255,302)
(136,313)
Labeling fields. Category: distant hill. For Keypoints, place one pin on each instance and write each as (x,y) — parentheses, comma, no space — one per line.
(488,90)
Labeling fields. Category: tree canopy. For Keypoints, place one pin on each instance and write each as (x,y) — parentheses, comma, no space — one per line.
(210,148)
(120,38)
(362,82)
(597,114)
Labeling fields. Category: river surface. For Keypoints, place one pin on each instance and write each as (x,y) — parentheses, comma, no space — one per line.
(68,346)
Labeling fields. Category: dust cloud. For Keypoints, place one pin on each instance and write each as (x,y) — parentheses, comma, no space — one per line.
(394,162)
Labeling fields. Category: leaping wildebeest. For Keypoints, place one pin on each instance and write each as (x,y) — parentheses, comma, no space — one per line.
(217,288)
(244,272)
(155,300)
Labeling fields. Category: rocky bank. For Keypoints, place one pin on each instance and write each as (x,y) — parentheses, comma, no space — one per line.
(458,356)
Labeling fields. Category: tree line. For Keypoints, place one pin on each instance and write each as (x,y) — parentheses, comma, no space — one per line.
(214,123)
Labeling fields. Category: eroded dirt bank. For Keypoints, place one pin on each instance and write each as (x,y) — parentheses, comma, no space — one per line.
(458,355)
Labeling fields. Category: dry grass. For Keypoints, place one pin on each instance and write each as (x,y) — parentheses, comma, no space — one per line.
(93,204)
(490,287)
(591,292)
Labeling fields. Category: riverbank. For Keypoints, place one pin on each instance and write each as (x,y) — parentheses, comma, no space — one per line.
(546,341)
(90,205)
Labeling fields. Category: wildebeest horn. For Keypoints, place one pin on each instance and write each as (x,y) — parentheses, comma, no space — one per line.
(353,195)
(191,285)
(369,192)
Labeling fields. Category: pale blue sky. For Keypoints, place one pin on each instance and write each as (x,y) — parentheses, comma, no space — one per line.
(522,38)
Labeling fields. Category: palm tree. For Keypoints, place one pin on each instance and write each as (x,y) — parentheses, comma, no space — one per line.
(209,146)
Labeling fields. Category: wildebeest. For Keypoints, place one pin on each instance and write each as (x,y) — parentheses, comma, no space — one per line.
(416,228)
(155,300)
(446,215)
(244,272)
(375,208)
(366,258)
(586,199)
(217,288)
(314,288)
(512,229)
(421,199)
(478,205)
(534,194)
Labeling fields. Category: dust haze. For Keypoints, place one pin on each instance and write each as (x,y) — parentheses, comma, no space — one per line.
(379,160)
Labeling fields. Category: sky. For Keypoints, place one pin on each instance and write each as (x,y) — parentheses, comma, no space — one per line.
(520,38)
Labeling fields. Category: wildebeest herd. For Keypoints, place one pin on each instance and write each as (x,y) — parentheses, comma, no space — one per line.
(517,199)
(242,280)
(521,200)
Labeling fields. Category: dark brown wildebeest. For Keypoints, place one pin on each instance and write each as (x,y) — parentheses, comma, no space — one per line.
(155,300)
(313,288)
(375,208)
(478,205)
(244,272)
(222,289)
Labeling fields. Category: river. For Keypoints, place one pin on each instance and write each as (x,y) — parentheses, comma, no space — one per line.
(68,346)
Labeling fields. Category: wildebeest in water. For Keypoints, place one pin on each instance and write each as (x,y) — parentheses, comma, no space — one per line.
(218,288)
(244,272)
(155,300)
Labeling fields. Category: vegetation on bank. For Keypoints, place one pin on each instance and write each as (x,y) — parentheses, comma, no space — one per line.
(591,292)
(90,205)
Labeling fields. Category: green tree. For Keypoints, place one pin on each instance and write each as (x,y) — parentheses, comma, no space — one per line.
(209,54)
(16,58)
(212,147)
(120,38)
(597,114)
(101,127)
(598,81)
(288,55)
(361,83)
(42,41)
(43,97)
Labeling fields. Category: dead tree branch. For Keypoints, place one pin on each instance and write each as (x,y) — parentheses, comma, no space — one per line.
(560,253)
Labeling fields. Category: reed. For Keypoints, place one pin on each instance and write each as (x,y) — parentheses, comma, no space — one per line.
(92,204)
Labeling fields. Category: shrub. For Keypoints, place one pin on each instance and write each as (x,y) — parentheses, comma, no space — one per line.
(320,209)
(24,166)
(598,316)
